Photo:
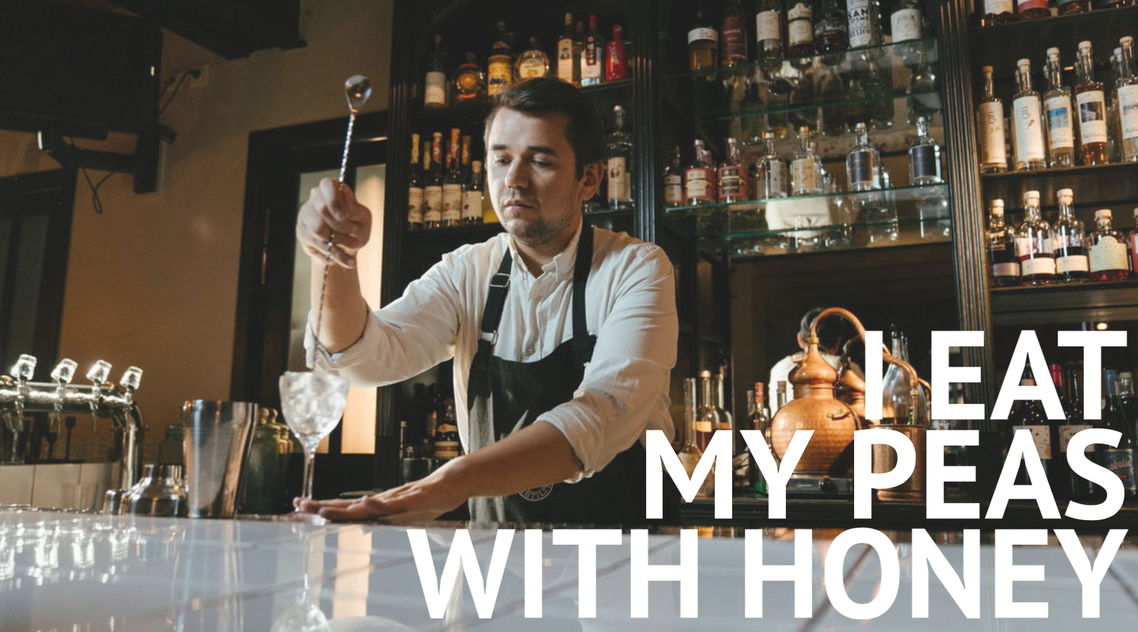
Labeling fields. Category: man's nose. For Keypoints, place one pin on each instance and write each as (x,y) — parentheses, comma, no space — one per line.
(517,175)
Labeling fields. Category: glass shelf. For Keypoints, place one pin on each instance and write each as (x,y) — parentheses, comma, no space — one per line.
(900,194)
(1073,20)
(822,239)
(815,105)
(893,52)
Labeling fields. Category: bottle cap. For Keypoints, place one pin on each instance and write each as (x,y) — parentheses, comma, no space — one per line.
(1031,196)
(1065,196)
(1053,52)
(1023,62)
(997,211)
(1062,192)
(997,204)
(1126,41)
(986,69)
(1102,213)
(1084,45)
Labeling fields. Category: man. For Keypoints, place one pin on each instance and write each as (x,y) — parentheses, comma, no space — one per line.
(832,334)
(563,335)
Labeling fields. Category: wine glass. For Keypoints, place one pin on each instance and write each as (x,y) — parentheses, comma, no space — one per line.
(312,403)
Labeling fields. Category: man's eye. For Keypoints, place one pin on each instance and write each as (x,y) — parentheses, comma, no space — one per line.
(501,161)
(540,163)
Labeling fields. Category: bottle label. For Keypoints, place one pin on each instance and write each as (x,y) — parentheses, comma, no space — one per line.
(436,90)
(619,180)
(860,23)
(732,184)
(1062,133)
(1041,435)
(906,24)
(452,201)
(1071,263)
(1128,110)
(1134,247)
(1026,5)
(1108,254)
(1029,129)
(1033,246)
(1067,431)
(800,25)
(992,133)
(699,184)
(673,189)
(776,179)
(499,75)
(702,34)
(701,426)
(924,163)
(471,203)
(804,175)
(1005,269)
(1092,116)
(1034,265)
(996,7)
(591,65)
(415,205)
(433,197)
(734,39)
(565,59)
(767,27)
(861,168)
(1000,253)
(531,67)
(1121,462)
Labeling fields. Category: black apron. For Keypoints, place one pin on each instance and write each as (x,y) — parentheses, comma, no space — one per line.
(505,396)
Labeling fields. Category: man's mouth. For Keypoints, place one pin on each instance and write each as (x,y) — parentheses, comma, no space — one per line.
(517,205)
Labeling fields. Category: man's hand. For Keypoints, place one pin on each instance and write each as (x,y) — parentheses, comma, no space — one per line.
(415,502)
(332,207)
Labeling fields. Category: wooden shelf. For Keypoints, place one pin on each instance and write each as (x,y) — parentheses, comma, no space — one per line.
(1072,303)
(1098,186)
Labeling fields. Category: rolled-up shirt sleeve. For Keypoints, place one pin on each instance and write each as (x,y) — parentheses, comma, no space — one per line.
(409,336)
(626,382)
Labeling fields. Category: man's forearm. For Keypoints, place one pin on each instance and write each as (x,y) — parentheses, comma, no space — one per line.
(345,310)
(534,456)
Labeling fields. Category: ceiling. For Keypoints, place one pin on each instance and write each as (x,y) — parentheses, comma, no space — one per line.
(230,28)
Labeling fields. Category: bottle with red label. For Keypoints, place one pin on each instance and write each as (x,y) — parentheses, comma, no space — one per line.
(733,185)
(1033,9)
(616,59)
(733,35)
(700,177)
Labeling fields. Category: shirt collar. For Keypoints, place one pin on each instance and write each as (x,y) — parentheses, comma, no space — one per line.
(562,263)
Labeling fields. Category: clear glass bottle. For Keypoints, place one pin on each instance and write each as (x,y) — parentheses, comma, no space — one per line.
(433,189)
(990,123)
(500,66)
(1069,241)
(593,54)
(703,44)
(733,35)
(924,157)
(619,161)
(907,25)
(1113,120)
(800,29)
(733,175)
(1027,116)
(472,196)
(1059,114)
(805,174)
(568,61)
(804,112)
(1033,244)
(1091,102)
(862,162)
(923,95)
(771,178)
(1108,252)
(452,183)
(690,451)
(1003,263)
(864,24)
(768,32)
(879,211)
(877,80)
(709,417)
(997,12)
(435,89)
(414,188)
(533,62)
(699,177)
(831,31)
(1032,9)
(831,110)
(674,180)
(1126,87)
(905,403)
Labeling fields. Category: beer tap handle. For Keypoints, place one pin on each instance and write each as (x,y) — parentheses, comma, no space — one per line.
(24,368)
(131,378)
(62,374)
(97,375)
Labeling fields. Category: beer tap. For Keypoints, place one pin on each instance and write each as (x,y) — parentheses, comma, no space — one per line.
(22,371)
(62,374)
(97,375)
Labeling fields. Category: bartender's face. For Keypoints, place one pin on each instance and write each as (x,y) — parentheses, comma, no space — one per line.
(533,176)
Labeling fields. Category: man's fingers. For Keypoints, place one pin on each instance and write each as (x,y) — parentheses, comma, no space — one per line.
(313,506)
(360,509)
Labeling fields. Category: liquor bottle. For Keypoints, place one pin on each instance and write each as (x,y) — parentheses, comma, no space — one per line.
(733,35)
(674,180)
(997,12)
(1069,241)
(831,95)
(500,68)
(447,443)
(414,188)
(1078,487)
(1068,7)
(703,44)
(699,177)
(1003,263)
(1126,87)
(864,23)
(1092,109)
(472,195)
(568,63)
(690,451)
(904,403)
(924,157)
(433,191)
(469,80)
(907,25)
(800,29)
(771,180)
(1027,114)
(435,90)
(777,104)
(1132,241)
(752,123)
(990,121)
(709,417)
(533,62)
(1033,244)
(803,112)
(1126,392)
(452,183)
(1120,459)
(1060,474)
(877,81)
(733,175)
(922,93)
(1029,416)
(593,54)
(726,419)
(805,174)
(862,162)
(1060,119)
(831,34)
(757,419)
(1032,9)
(768,32)
(616,60)
(1109,255)
(619,163)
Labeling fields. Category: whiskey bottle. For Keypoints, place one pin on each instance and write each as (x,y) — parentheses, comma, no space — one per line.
(533,62)
(433,190)
(1027,116)
(990,121)
(708,415)
(1003,264)
(414,188)
(616,59)
(469,80)
(674,180)
(1109,255)
(996,12)
(1060,119)
(924,157)
(733,35)
(733,175)
(593,54)
(1069,241)
(500,69)
(864,23)
(1032,9)
(831,34)
(452,183)
(862,162)
(1033,244)
(800,29)
(1068,7)
(768,33)
(1126,87)
(472,195)
(805,173)
(770,174)
(435,91)
(1092,109)
(568,62)
(699,177)
(619,163)
(692,433)
(703,44)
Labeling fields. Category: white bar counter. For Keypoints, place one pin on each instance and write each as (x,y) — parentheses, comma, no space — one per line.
(93,573)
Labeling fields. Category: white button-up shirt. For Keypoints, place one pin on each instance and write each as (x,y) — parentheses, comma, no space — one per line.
(630,306)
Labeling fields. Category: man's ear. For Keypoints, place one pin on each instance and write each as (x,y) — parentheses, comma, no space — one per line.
(591,180)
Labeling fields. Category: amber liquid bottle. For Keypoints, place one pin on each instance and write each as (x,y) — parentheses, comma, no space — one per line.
(1091,103)
(996,12)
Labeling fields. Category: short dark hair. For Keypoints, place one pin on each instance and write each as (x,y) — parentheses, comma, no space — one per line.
(543,95)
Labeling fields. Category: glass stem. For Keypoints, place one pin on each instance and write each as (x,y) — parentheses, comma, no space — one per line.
(309,467)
